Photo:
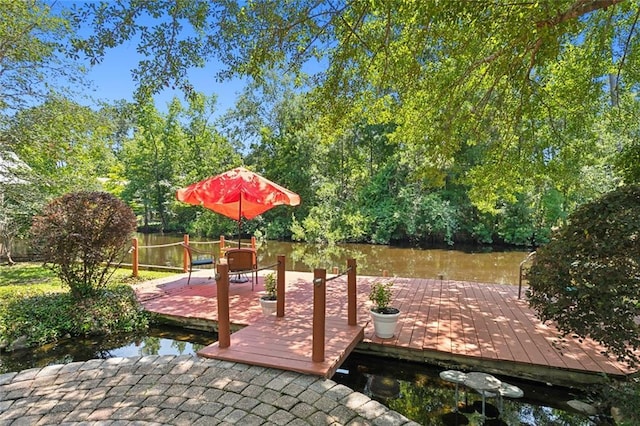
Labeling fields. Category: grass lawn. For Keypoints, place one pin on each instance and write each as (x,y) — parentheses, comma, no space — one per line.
(35,275)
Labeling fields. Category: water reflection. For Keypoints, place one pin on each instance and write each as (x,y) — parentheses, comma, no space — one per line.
(416,391)
(481,266)
(155,341)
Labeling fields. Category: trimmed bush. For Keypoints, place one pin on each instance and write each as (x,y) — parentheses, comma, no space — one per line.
(81,235)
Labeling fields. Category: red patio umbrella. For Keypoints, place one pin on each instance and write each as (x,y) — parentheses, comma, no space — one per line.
(236,194)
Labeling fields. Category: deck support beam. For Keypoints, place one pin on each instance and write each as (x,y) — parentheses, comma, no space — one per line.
(222,285)
(319,312)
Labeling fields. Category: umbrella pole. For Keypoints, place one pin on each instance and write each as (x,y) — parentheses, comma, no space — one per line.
(240,220)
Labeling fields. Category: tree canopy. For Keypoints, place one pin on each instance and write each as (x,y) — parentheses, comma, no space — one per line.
(425,121)
(522,82)
(32,54)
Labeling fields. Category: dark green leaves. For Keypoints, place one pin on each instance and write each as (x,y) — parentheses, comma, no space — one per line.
(587,279)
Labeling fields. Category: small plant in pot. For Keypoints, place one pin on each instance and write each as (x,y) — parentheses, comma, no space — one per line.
(384,317)
(269,299)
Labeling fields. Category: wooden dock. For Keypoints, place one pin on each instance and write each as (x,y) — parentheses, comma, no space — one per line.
(286,343)
(454,324)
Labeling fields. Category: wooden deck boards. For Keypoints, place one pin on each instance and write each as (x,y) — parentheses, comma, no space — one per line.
(448,322)
(286,343)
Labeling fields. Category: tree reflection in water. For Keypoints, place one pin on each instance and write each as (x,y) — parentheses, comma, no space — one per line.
(417,392)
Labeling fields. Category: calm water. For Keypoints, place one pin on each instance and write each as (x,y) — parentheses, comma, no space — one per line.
(481,266)
(412,389)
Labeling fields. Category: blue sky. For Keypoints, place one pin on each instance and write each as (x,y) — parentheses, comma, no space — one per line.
(112,80)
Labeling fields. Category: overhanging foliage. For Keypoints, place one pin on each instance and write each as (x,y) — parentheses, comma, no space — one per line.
(587,279)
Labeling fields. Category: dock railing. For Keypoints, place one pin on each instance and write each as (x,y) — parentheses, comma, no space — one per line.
(320,305)
(524,268)
(222,291)
(222,245)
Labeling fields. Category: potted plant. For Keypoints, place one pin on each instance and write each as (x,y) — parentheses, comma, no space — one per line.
(384,317)
(269,299)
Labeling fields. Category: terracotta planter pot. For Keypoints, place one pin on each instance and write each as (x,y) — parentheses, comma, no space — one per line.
(384,324)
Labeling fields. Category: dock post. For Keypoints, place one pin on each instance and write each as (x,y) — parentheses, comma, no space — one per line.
(185,255)
(319,307)
(351,292)
(280,287)
(221,248)
(136,258)
(222,284)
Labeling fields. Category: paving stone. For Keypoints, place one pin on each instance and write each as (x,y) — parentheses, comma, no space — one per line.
(229,398)
(222,413)
(154,401)
(170,402)
(50,370)
(342,414)
(263,410)
(101,413)
(303,410)
(147,413)
(252,420)
(130,379)
(281,417)
(111,401)
(209,409)
(293,389)
(167,415)
(309,396)
(26,421)
(246,403)
(320,418)
(207,421)
(235,386)
(26,375)
(176,390)
(212,394)
(118,390)
(338,392)
(186,418)
(236,416)
(251,391)
(370,410)
(325,404)
(286,402)
(194,391)
(53,418)
(125,413)
(159,390)
(7,378)
(278,383)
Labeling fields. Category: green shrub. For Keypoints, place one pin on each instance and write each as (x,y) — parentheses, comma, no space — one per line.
(624,397)
(35,316)
(587,279)
(115,310)
(380,295)
(36,309)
